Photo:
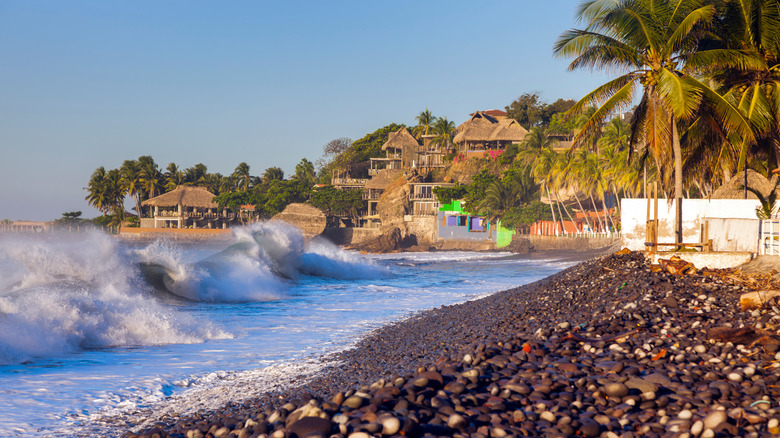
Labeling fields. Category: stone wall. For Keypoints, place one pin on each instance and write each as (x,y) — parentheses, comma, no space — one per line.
(351,236)
(544,243)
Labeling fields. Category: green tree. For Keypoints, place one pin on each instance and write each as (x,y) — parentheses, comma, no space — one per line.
(304,172)
(173,177)
(273,174)
(425,121)
(334,202)
(651,42)
(131,181)
(242,177)
(444,131)
(526,109)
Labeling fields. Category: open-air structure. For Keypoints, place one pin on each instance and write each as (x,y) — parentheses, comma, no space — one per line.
(483,132)
(400,152)
(186,207)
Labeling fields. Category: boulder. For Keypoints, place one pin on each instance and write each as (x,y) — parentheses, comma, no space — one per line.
(311,220)
(388,241)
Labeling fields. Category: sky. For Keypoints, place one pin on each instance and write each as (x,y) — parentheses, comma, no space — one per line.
(85,84)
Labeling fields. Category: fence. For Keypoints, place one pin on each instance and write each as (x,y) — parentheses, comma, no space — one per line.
(769,237)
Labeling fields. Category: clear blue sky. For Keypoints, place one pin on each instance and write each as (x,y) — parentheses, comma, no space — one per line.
(85,84)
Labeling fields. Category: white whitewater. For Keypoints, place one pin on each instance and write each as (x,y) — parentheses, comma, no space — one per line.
(95,335)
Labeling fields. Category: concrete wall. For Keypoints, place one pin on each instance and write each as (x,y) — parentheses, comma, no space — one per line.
(424,227)
(734,235)
(634,217)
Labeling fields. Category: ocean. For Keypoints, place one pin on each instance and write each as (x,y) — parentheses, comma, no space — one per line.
(98,336)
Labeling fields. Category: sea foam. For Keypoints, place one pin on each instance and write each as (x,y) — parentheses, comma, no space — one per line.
(80,292)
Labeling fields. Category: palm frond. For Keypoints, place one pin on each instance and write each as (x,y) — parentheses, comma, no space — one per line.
(680,94)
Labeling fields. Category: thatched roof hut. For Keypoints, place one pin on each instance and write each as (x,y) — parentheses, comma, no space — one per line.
(399,140)
(474,129)
(186,196)
(310,219)
(508,130)
(384,178)
(734,188)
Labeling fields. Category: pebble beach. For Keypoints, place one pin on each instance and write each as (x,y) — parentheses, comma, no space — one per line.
(607,348)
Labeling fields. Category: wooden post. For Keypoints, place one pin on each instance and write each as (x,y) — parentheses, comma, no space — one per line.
(655,218)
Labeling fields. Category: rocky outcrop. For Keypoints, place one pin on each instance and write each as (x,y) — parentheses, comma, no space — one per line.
(311,220)
(389,241)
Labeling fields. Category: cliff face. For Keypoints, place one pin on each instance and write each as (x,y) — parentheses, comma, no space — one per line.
(394,204)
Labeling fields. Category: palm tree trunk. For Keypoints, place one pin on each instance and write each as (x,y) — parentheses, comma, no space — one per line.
(552,210)
(564,209)
(593,201)
(560,215)
(606,212)
(617,199)
(678,183)
(587,221)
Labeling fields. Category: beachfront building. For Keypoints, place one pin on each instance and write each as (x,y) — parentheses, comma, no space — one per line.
(25,226)
(374,189)
(424,201)
(186,207)
(453,223)
(349,177)
(486,133)
(400,152)
(431,154)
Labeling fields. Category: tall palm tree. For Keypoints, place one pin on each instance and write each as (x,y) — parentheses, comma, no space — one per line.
(651,42)
(749,72)
(501,197)
(532,145)
(425,121)
(131,182)
(273,174)
(444,131)
(173,177)
(196,175)
(242,177)
(151,178)
(97,195)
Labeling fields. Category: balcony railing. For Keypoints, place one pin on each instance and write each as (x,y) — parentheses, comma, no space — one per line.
(422,197)
(349,181)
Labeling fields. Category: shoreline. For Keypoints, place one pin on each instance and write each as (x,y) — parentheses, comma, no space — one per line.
(606,346)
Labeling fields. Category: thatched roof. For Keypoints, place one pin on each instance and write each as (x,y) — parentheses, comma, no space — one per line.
(384,178)
(310,219)
(186,196)
(508,130)
(400,139)
(474,129)
(734,188)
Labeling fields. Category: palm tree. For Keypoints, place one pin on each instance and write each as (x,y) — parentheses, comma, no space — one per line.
(444,131)
(749,71)
(173,177)
(131,182)
(651,42)
(195,175)
(97,195)
(532,145)
(273,174)
(425,121)
(500,198)
(151,178)
(242,177)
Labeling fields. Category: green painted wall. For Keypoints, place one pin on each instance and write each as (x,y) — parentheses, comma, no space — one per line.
(503,236)
(452,206)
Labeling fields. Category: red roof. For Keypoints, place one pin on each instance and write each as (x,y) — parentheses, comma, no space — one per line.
(493,112)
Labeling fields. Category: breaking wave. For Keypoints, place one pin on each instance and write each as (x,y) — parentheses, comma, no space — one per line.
(65,293)
(259,266)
